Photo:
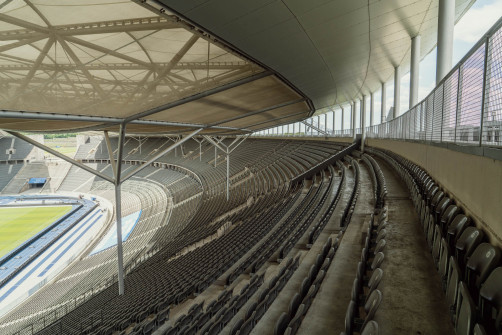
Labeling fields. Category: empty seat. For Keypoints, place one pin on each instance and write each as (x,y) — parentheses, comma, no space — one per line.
(466,243)
(466,312)
(490,301)
(456,228)
(482,261)
(281,324)
(452,285)
(371,328)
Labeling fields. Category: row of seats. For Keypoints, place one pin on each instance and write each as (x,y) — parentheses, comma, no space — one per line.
(469,266)
(318,227)
(288,323)
(365,295)
(266,298)
(349,210)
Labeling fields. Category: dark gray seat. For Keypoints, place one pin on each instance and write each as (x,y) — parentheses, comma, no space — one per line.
(281,324)
(371,328)
(456,228)
(482,261)
(490,301)
(466,312)
(466,243)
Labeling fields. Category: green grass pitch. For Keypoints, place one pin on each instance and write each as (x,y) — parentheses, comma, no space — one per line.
(17,224)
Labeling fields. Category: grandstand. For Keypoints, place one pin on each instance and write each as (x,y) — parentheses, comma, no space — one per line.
(175,168)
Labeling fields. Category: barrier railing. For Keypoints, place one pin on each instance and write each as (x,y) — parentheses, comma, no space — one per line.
(464,108)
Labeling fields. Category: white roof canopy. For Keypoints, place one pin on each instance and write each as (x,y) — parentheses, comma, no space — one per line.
(87,64)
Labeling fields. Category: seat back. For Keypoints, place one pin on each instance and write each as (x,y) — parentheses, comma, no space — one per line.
(374,281)
(456,228)
(441,208)
(466,243)
(444,256)
(371,328)
(490,298)
(466,312)
(479,330)
(450,212)
(452,285)
(281,324)
(371,305)
(377,261)
(482,261)
(349,318)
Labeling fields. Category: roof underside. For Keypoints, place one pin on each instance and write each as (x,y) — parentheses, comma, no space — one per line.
(106,62)
(334,51)
(90,65)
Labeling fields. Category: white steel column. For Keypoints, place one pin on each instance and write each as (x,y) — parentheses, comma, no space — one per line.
(353,107)
(325,122)
(333,133)
(397,91)
(228,175)
(383,106)
(414,70)
(372,108)
(343,112)
(446,23)
(363,122)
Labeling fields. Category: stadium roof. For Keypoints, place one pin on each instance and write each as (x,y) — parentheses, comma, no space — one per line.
(90,65)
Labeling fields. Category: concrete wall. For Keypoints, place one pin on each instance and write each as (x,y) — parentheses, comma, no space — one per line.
(475,182)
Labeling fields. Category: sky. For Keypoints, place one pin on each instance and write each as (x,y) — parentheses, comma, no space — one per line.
(479,18)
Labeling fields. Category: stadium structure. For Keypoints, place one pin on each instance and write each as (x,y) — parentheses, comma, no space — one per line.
(220,167)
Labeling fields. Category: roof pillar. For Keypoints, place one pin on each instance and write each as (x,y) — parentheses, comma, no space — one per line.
(446,23)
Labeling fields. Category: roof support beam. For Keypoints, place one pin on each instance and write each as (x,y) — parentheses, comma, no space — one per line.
(81,66)
(162,153)
(110,153)
(311,126)
(268,109)
(105,120)
(60,155)
(198,96)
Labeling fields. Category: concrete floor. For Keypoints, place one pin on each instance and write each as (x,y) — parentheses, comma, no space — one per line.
(413,301)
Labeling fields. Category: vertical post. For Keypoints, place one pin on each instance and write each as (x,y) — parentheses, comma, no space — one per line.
(294,129)
(446,24)
(384,101)
(397,91)
(414,70)
(200,151)
(342,126)
(325,123)
(372,108)
(483,98)
(363,122)
(353,119)
(228,175)
(333,133)
(215,154)
(118,210)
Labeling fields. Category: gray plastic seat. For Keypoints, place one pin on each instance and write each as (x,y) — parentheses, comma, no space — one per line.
(371,328)
(479,330)
(374,281)
(441,208)
(447,217)
(466,243)
(490,300)
(452,285)
(466,312)
(456,228)
(371,306)
(377,261)
(482,261)
(281,324)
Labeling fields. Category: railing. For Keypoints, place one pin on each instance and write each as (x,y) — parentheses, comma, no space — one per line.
(465,108)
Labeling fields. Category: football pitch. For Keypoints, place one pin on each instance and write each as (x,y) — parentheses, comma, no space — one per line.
(17,224)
